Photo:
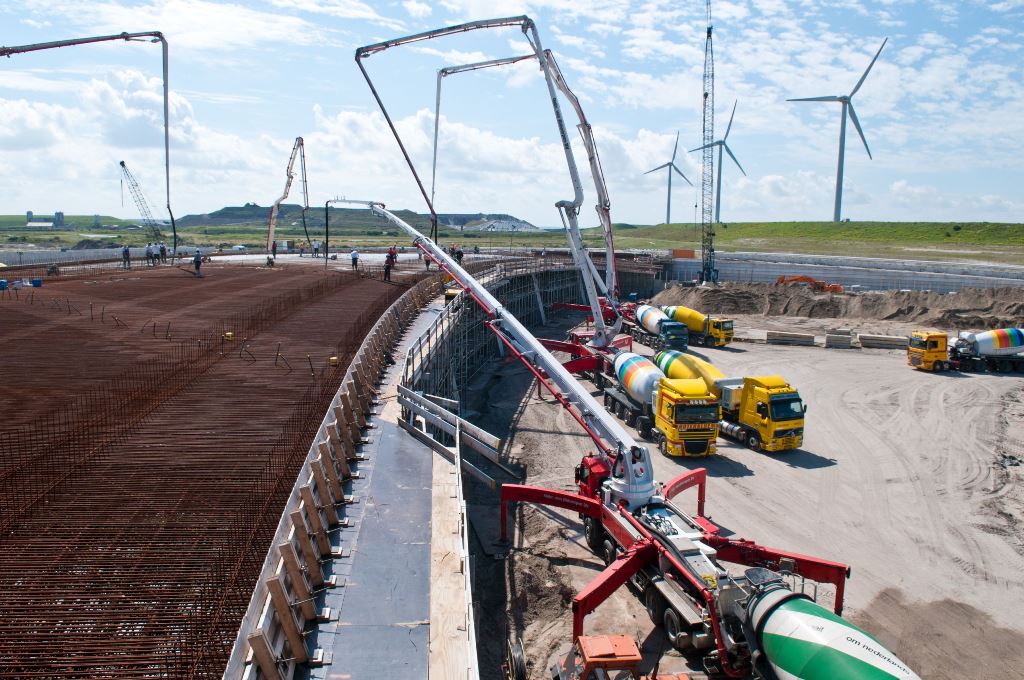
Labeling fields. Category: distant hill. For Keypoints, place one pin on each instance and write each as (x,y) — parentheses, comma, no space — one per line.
(348,218)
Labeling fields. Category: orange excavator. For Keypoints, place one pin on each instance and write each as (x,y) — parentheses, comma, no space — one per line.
(812,283)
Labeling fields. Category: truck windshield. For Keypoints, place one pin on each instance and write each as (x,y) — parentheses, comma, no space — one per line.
(727,325)
(787,409)
(918,342)
(686,413)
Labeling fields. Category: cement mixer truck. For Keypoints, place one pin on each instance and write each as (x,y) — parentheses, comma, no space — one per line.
(681,415)
(764,412)
(1000,350)
(652,327)
(710,331)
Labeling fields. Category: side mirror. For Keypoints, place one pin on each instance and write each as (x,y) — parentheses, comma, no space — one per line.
(578,474)
(805,408)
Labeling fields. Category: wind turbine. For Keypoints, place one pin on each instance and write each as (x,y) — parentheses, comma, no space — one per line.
(847,102)
(671,165)
(721,144)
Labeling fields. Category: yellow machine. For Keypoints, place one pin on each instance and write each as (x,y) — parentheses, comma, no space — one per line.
(710,331)
(764,412)
(928,351)
(681,415)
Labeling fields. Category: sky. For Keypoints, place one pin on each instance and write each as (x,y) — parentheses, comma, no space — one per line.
(942,110)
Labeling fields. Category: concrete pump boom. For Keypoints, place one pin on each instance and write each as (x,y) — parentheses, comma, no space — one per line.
(568,209)
(604,203)
(636,484)
(605,285)
(154,36)
(299,150)
(451,70)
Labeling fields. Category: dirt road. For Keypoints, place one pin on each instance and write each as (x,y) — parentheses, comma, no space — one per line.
(906,476)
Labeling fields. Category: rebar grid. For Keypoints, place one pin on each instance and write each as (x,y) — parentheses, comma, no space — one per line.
(135,519)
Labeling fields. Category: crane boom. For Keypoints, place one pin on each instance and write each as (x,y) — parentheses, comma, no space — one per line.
(153,36)
(708,272)
(140,201)
(568,209)
(298,151)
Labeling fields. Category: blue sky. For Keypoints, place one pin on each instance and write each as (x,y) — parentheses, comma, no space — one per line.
(943,109)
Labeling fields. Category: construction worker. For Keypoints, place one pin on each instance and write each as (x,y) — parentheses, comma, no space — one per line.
(163,253)
(389,262)
(149,254)
(316,248)
(355,258)
(273,249)
(126,257)
(197,261)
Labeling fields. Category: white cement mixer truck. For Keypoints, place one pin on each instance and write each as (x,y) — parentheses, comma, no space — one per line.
(1000,350)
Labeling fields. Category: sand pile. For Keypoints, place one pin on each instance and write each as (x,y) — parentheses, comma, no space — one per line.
(971,308)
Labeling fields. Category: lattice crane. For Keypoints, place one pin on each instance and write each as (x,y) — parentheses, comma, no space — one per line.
(140,202)
(708,271)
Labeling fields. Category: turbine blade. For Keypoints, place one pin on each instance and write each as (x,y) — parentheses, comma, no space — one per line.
(729,151)
(868,70)
(663,165)
(676,147)
(815,99)
(856,124)
(729,126)
(680,173)
(699,148)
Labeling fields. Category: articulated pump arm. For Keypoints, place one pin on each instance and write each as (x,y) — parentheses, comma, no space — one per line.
(568,209)
(604,203)
(154,36)
(634,483)
(298,150)
(451,70)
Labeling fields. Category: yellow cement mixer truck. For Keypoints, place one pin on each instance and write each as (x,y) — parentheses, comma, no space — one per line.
(710,331)
(764,412)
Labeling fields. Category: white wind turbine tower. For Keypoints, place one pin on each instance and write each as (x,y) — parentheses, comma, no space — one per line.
(847,102)
(721,144)
(671,165)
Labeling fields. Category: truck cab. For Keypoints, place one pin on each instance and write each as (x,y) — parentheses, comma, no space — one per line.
(928,351)
(686,415)
(721,330)
(674,335)
(764,411)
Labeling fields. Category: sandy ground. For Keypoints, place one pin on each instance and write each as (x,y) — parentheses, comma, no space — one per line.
(906,476)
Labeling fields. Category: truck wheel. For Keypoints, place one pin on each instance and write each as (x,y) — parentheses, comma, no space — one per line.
(672,626)
(608,552)
(753,441)
(515,660)
(709,341)
(593,533)
(655,604)
(630,418)
(643,426)
(662,445)
(607,401)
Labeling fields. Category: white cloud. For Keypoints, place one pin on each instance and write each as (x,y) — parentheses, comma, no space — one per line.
(189,24)
(36,24)
(417,10)
(343,9)
(453,57)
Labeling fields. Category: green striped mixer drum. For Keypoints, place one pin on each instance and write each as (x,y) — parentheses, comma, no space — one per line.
(803,641)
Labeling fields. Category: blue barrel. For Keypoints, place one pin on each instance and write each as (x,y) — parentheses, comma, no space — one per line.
(37,283)
(3,284)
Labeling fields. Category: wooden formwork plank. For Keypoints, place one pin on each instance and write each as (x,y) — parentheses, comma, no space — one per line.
(331,470)
(264,655)
(309,551)
(324,491)
(298,580)
(287,618)
(323,542)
